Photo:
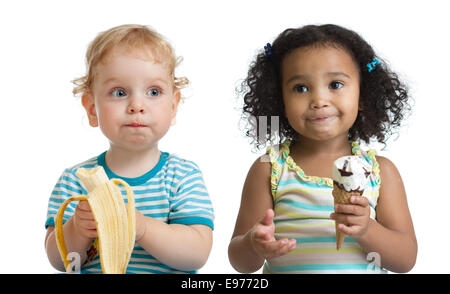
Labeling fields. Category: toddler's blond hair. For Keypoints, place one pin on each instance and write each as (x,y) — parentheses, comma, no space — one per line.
(130,37)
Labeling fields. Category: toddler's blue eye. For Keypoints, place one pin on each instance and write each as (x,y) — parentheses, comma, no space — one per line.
(153,92)
(119,93)
(300,88)
(336,85)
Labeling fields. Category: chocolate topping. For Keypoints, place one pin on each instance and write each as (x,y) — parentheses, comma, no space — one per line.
(366,172)
(343,171)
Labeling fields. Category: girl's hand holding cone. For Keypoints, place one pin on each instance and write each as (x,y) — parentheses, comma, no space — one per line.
(353,218)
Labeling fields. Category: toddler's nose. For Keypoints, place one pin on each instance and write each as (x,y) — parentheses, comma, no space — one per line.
(133,109)
(135,106)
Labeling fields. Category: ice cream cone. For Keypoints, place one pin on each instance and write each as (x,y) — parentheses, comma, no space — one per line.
(342,196)
(350,175)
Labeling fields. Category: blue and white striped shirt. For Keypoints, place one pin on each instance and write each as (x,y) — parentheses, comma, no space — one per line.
(173,192)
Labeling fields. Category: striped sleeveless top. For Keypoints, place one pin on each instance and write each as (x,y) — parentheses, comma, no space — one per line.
(302,206)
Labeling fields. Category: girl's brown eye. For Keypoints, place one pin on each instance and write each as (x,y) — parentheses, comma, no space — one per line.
(300,88)
(336,85)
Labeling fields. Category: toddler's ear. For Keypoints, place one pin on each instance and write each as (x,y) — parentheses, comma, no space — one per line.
(89,105)
(176,101)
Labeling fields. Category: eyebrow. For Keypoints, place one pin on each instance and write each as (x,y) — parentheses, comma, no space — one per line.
(109,80)
(338,73)
(117,80)
(301,76)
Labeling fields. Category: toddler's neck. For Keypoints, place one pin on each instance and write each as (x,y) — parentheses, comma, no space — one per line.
(131,163)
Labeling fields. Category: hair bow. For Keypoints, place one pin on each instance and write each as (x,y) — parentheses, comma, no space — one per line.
(268,50)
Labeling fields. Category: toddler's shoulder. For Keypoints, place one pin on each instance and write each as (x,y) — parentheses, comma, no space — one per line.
(90,163)
(179,173)
(180,166)
(69,183)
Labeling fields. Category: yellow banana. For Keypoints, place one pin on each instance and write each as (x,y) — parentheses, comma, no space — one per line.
(116,228)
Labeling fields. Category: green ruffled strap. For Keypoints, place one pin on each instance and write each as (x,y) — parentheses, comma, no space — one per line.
(274,156)
(371,156)
(278,157)
(293,166)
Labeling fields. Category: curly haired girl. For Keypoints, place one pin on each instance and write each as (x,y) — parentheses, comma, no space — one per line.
(329,91)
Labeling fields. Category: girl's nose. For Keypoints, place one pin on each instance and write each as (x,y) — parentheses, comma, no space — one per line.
(135,106)
(319,100)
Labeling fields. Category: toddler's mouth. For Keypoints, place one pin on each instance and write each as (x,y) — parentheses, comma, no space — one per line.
(136,125)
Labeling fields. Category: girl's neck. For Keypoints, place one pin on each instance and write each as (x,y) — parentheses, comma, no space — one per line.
(131,163)
(336,147)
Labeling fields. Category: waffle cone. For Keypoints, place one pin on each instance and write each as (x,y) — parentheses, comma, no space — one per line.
(341,196)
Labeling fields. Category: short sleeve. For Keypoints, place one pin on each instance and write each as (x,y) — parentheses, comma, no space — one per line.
(67,185)
(190,204)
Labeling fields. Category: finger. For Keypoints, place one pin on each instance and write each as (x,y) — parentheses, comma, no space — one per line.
(359,200)
(259,235)
(262,233)
(85,215)
(91,233)
(268,217)
(350,209)
(87,225)
(349,230)
(83,205)
(347,219)
(271,247)
(288,245)
(279,248)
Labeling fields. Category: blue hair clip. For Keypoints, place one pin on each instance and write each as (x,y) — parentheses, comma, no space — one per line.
(371,65)
(268,50)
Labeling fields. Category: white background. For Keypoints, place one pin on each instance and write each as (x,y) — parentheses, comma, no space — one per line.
(44,128)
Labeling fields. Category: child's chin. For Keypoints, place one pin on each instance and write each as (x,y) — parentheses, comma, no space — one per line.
(135,144)
(323,135)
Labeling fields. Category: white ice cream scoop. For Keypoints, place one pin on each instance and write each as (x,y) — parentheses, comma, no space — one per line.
(351,173)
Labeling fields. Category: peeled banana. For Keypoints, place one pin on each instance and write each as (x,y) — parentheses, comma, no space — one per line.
(116,228)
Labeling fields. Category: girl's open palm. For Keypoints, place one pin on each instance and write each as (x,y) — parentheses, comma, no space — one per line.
(263,238)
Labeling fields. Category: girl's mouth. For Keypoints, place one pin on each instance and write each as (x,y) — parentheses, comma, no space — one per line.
(321,119)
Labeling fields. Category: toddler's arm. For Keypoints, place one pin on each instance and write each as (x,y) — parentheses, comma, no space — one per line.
(392,235)
(183,247)
(79,231)
(253,239)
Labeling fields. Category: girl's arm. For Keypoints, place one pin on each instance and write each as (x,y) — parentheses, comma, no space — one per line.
(183,247)
(392,235)
(253,238)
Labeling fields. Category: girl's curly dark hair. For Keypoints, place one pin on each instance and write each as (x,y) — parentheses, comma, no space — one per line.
(383,98)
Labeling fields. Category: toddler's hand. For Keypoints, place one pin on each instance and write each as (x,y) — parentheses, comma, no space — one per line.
(263,239)
(84,221)
(353,218)
(140,225)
